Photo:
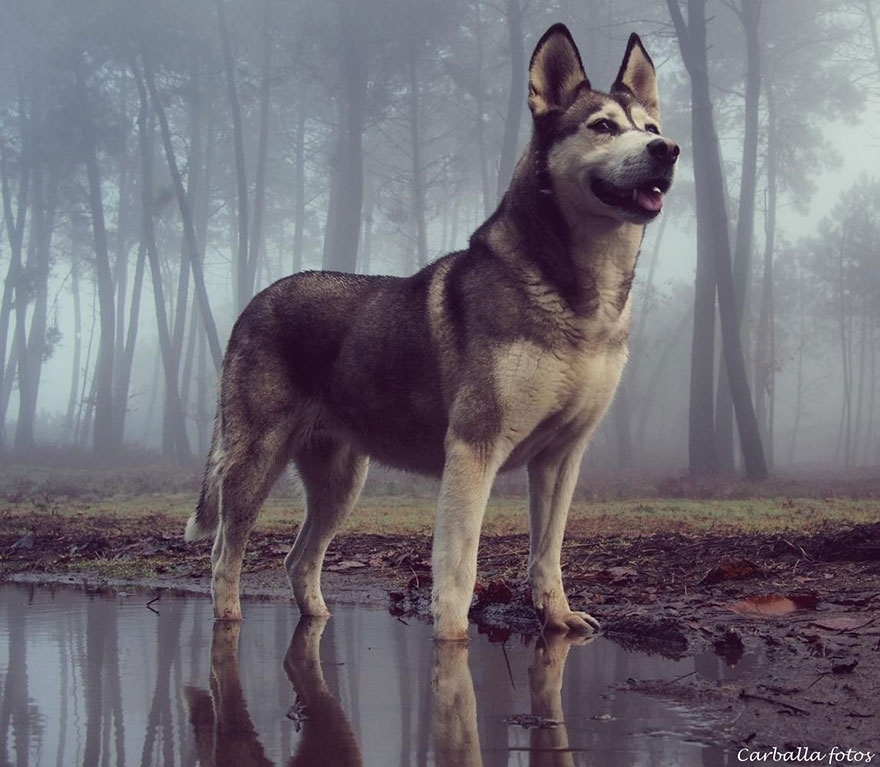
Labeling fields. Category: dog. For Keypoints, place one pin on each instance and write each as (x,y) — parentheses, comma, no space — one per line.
(503,355)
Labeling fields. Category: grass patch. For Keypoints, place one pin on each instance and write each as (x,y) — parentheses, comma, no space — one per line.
(400,515)
(48,485)
(757,515)
(122,569)
(129,538)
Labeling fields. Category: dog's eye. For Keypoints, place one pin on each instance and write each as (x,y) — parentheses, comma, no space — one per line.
(603,126)
(652,129)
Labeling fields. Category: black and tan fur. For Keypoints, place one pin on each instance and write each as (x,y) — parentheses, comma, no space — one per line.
(503,355)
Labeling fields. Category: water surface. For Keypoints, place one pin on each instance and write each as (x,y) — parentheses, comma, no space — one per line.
(106,679)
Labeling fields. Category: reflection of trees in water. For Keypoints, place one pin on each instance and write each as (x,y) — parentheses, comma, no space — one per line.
(415,708)
(159,745)
(101,683)
(17,717)
(117,661)
(86,714)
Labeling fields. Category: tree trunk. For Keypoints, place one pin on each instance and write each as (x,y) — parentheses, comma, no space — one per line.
(243,286)
(176,405)
(299,190)
(32,343)
(712,233)
(367,247)
(87,400)
(749,15)
(102,436)
(178,443)
(799,391)
(14,222)
(480,104)
(844,320)
(702,452)
(74,395)
(120,282)
(860,387)
(417,186)
(516,97)
(256,242)
(342,232)
(189,362)
(186,214)
(622,410)
(765,353)
(203,416)
(872,391)
(125,350)
(198,193)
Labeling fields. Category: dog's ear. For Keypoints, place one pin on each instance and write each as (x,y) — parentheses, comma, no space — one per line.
(556,72)
(638,78)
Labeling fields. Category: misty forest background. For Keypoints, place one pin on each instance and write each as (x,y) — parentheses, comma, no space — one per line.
(163,161)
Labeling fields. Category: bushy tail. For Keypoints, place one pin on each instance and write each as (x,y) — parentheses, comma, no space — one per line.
(204,520)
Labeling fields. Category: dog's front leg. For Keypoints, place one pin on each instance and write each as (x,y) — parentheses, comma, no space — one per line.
(552,477)
(467,480)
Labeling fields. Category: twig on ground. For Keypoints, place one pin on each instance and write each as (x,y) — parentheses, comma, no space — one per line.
(750,696)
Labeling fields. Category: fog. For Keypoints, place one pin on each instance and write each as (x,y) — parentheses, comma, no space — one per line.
(161,162)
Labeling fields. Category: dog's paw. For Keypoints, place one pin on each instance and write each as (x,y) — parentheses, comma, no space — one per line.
(313,608)
(574,622)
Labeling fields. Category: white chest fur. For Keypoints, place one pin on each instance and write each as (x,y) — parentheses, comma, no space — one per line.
(553,397)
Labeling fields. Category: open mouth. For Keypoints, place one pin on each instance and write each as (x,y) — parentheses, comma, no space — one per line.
(644,199)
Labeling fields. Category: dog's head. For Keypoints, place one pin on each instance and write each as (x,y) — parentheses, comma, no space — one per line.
(604,152)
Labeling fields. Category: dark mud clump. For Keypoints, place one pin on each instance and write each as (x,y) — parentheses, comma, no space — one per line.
(651,635)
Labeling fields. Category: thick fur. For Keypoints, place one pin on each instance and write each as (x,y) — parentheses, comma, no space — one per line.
(503,355)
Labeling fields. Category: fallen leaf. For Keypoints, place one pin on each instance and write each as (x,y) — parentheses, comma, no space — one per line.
(732,570)
(765,604)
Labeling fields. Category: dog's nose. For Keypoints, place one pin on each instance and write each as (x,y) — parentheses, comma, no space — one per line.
(663,150)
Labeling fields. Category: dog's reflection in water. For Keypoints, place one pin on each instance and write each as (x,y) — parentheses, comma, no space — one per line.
(326,736)
(456,740)
(549,746)
(225,735)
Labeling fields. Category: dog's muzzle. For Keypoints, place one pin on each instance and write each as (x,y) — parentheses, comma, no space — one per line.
(643,199)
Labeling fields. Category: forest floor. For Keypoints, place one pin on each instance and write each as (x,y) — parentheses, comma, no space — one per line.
(787,576)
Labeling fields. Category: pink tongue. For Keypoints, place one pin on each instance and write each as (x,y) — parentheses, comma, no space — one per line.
(649,200)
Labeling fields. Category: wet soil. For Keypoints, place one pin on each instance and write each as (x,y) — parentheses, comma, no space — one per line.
(806,607)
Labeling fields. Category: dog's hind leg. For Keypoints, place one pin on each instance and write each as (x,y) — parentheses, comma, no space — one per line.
(552,477)
(251,467)
(332,474)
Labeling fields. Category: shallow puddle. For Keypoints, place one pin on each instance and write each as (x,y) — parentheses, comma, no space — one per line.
(112,680)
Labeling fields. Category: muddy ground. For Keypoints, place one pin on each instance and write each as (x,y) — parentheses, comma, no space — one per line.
(806,606)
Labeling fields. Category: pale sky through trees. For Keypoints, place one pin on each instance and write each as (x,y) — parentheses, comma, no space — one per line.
(369,137)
